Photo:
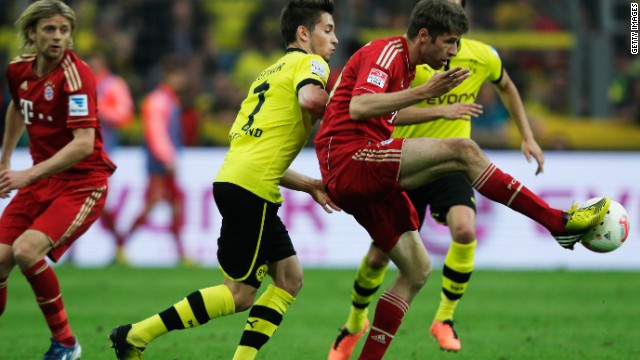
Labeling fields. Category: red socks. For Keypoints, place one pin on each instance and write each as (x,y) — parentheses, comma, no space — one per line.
(503,188)
(389,313)
(44,283)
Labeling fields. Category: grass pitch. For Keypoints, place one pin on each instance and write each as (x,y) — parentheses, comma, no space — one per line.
(503,316)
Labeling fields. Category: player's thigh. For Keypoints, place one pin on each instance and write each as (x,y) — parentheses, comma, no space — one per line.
(427,159)
(21,211)
(385,219)
(75,205)
(252,235)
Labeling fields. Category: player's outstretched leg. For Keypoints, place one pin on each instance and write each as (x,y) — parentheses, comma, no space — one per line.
(368,280)
(566,226)
(196,309)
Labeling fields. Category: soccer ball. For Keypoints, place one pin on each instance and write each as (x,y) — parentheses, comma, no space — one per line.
(611,233)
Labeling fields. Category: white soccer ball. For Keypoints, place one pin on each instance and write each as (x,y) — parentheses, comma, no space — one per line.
(611,233)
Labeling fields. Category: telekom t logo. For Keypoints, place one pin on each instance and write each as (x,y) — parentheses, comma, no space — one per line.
(27,110)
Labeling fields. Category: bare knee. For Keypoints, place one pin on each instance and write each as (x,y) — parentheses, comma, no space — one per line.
(376,258)
(25,253)
(421,276)
(243,295)
(467,149)
(463,233)
(292,283)
(417,277)
(287,274)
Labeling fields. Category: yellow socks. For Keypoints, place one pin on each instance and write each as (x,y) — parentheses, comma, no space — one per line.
(194,310)
(458,266)
(367,282)
(264,318)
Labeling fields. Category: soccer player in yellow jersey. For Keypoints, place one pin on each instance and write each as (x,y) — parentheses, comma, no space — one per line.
(271,128)
(451,199)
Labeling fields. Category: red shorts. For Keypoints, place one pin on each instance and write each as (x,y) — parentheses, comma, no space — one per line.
(363,180)
(62,209)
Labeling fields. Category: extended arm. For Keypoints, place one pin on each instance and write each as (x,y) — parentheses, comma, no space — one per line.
(415,115)
(366,106)
(511,99)
(295,181)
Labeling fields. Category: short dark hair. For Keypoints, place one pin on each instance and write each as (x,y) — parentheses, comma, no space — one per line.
(302,12)
(439,17)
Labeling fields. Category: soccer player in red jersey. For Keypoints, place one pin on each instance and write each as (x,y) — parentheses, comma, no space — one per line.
(53,97)
(366,172)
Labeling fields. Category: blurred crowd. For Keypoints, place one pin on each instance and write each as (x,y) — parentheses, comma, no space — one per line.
(224,43)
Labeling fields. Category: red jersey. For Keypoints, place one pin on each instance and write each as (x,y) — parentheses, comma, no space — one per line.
(55,104)
(382,66)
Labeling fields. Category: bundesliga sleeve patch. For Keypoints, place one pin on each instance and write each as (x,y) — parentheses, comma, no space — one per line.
(78,105)
(377,77)
(318,68)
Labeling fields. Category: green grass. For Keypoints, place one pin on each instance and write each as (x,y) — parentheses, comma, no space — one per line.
(504,315)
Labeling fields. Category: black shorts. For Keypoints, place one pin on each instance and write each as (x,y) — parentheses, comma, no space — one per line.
(441,195)
(252,235)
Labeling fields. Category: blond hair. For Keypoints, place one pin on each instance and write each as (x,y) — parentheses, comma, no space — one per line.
(39,10)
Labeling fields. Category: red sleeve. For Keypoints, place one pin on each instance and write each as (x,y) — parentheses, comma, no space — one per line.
(80,86)
(13,89)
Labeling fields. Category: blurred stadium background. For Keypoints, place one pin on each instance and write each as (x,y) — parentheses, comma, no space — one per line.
(570,59)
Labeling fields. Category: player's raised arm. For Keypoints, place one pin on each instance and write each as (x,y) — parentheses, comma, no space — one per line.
(371,105)
(510,97)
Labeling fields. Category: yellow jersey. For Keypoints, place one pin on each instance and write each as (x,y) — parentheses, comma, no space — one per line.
(484,64)
(271,128)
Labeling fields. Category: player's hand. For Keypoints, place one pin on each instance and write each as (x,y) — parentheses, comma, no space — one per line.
(11,180)
(461,111)
(531,149)
(321,197)
(442,82)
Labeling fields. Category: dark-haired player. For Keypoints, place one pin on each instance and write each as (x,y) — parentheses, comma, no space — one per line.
(271,128)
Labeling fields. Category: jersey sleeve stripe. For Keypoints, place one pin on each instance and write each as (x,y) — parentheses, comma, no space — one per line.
(307,82)
(71,73)
(80,120)
(497,81)
(389,53)
(390,59)
(23,58)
